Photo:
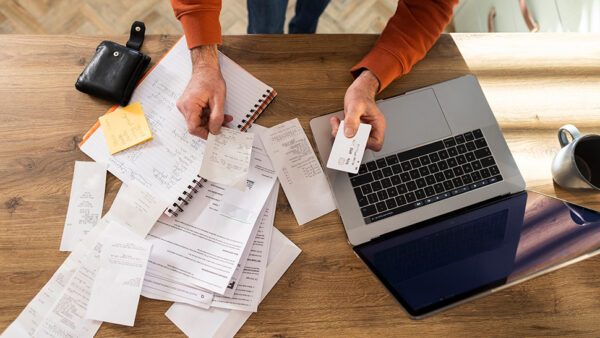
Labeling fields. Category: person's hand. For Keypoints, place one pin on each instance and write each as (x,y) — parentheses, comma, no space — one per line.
(203,99)
(359,106)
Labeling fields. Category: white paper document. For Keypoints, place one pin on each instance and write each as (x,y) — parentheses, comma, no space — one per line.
(136,208)
(116,290)
(246,295)
(299,171)
(85,203)
(217,322)
(347,152)
(156,287)
(203,245)
(227,158)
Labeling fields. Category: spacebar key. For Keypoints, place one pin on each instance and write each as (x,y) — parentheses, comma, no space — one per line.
(391,212)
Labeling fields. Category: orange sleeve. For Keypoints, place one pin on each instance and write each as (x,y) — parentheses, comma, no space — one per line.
(200,21)
(407,37)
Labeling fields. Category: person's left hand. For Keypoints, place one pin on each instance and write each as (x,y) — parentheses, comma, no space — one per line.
(359,106)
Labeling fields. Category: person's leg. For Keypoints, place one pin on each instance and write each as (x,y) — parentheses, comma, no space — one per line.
(307,16)
(266,16)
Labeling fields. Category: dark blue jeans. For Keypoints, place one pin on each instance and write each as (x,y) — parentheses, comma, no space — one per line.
(268,16)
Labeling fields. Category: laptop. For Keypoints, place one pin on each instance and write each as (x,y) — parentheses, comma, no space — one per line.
(440,215)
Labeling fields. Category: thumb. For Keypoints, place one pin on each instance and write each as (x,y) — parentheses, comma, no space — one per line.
(351,122)
(216,116)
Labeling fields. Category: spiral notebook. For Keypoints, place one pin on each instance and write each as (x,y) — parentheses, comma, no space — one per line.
(168,164)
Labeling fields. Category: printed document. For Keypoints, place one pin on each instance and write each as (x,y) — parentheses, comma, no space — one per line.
(204,244)
(227,158)
(156,287)
(299,171)
(85,203)
(116,290)
(217,322)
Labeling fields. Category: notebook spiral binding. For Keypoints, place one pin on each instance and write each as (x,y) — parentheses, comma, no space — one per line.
(245,124)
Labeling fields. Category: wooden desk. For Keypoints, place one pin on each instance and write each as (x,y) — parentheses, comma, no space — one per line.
(534,83)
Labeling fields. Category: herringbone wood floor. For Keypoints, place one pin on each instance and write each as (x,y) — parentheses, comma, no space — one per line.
(116,16)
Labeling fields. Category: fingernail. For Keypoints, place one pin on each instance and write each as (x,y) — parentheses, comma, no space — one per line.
(348,132)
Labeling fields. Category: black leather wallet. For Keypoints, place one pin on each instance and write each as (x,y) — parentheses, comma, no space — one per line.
(114,70)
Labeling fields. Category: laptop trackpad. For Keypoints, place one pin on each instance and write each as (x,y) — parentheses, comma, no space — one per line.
(412,120)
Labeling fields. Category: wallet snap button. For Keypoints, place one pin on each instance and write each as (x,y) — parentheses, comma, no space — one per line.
(116,53)
(137,29)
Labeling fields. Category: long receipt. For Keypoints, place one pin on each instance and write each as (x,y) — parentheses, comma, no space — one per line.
(85,203)
(216,322)
(227,158)
(299,171)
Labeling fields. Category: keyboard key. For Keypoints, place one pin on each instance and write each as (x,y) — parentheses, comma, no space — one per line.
(415,163)
(362,201)
(425,160)
(410,197)
(470,157)
(430,180)
(452,152)
(433,168)
(448,185)
(459,139)
(419,151)
(485,173)
(480,143)
(418,204)
(467,179)
(476,165)
(452,162)
(377,174)
(449,142)
(396,168)
(414,174)
(382,195)
(439,177)
(488,161)
(392,159)
(494,170)
(366,189)
(469,136)
(470,146)
(448,174)
(438,188)
(434,157)
(405,177)
(424,171)
(406,166)
(461,159)
(371,166)
(401,188)
(396,180)
(381,207)
(392,192)
(376,186)
(457,182)
(391,204)
(443,154)
(358,192)
(457,171)
(372,198)
(362,169)
(420,194)
(390,213)
(361,179)
(400,200)
(429,191)
(476,176)
(411,186)
(421,183)
(443,165)
(461,148)
(467,168)
(368,210)
(381,163)
(483,152)
(387,171)
(495,179)
(477,133)
(386,183)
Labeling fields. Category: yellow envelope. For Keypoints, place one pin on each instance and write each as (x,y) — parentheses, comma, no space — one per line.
(125,127)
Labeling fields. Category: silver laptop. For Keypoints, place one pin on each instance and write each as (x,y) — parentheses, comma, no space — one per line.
(443,151)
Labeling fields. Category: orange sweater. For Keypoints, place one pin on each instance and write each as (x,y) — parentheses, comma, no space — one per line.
(407,37)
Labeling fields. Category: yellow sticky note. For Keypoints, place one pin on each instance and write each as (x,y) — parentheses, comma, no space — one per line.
(125,127)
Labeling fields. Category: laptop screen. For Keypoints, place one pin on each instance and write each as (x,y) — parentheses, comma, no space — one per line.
(436,263)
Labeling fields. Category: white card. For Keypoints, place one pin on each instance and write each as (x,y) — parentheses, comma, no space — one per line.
(347,153)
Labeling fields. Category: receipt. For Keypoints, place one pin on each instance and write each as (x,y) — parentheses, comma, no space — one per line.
(227,158)
(299,171)
(85,203)
(347,153)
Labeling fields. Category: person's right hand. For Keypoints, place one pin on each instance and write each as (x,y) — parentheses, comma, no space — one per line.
(203,99)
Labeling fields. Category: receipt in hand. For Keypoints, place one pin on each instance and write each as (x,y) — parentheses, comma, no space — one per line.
(347,152)
(299,171)
(227,158)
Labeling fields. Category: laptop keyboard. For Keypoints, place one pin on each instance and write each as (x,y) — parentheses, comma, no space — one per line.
(411,179)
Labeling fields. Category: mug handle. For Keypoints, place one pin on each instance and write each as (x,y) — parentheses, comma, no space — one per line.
(569,128)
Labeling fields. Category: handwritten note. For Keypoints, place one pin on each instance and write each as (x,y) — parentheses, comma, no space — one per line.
(227,158)
(125,127)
